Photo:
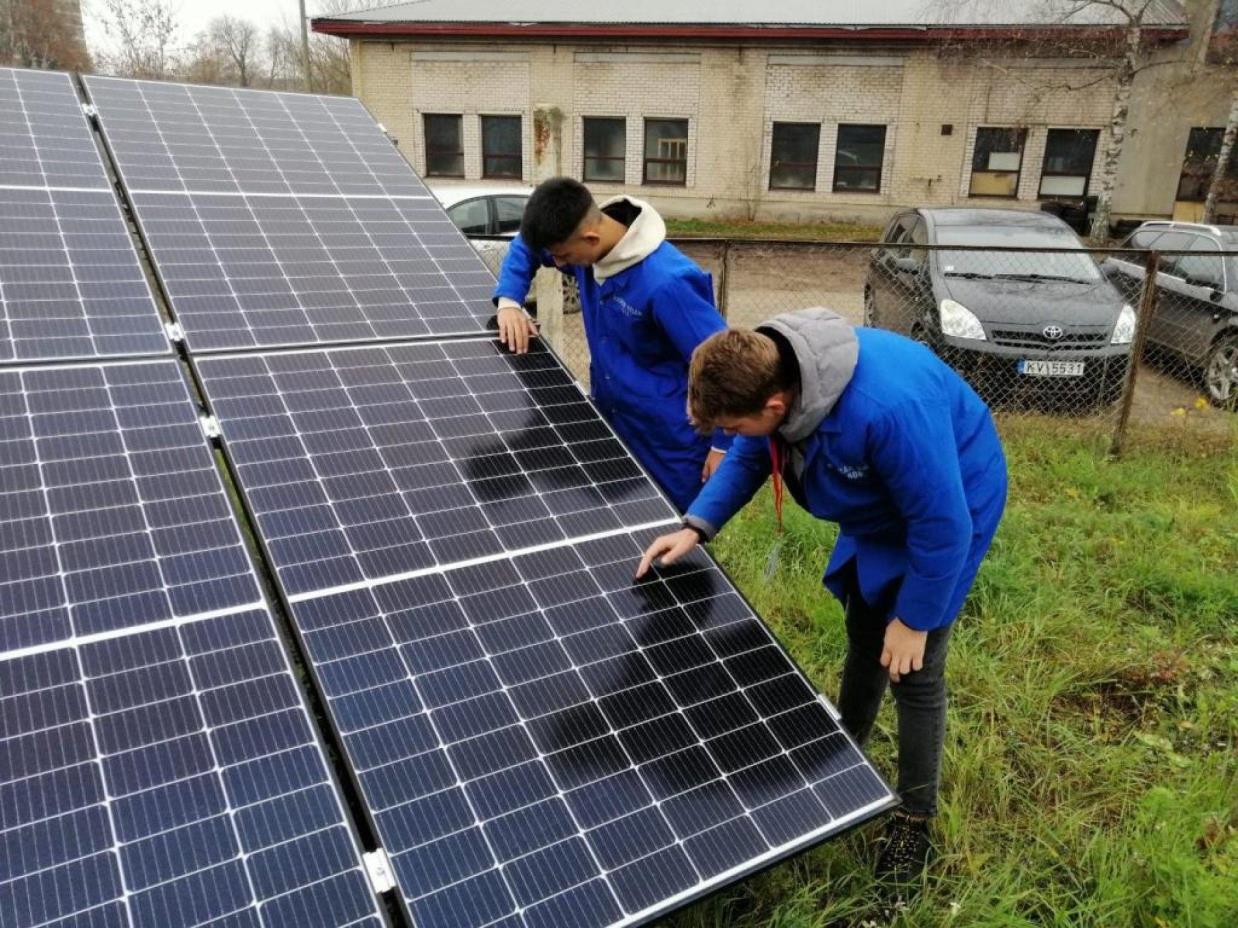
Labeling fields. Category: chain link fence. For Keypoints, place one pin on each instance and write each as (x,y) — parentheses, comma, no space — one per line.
(1119,339)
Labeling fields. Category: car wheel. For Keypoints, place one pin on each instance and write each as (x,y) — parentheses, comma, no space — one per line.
(1221,372)
(869,319)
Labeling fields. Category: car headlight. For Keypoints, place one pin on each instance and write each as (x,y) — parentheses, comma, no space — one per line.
(1124,331)
(959,321)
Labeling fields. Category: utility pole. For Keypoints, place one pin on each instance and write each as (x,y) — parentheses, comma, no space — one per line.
(305,53)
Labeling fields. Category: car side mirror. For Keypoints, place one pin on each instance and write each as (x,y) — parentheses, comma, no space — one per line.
(908,266)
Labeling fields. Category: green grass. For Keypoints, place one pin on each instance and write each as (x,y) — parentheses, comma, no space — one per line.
(824,231)
(1090,770)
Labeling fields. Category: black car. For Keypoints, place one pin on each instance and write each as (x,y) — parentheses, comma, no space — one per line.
(1196,317)
(1016,324)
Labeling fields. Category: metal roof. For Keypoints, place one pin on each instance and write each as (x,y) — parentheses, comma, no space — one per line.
(818,13)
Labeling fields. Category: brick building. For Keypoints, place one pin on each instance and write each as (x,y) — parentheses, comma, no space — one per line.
(831,109)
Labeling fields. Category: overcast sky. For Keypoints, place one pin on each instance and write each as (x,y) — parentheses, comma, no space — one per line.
(192,16)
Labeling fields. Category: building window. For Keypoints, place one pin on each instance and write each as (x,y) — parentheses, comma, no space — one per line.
(606,148)
(1069,154)
(793,156)
(1203,147)
(858,159)
(666,152)
(997,162)
(444,146)
(500,147)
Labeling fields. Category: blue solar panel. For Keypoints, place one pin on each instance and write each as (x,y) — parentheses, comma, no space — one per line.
(112,514)
(365,463)
(180,137)
(544,742)
(286,219)
(70,282)
(158,766)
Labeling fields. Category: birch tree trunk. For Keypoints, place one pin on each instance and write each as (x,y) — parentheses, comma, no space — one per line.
(1223,159)
(1117,133)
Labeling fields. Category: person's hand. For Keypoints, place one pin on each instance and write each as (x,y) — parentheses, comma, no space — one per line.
(903,651)
(516,328)
(671,548)
(712,461)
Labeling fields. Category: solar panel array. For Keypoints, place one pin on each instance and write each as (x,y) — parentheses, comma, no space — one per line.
(158,765)
(286,219)
(538,740)
(70,282)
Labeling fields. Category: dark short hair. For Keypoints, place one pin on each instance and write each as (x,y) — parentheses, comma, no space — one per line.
(554,211)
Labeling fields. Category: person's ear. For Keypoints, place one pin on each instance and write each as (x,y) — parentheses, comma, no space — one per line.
(776,406)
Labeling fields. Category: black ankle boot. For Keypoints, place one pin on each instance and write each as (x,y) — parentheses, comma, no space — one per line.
(905,850)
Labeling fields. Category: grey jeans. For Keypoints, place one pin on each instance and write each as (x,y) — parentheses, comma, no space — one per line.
(920,699)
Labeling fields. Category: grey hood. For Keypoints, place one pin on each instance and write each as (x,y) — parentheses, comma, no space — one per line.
(642,239)
(826,348)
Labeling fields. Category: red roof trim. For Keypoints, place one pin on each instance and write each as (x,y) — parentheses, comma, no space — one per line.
(764,33)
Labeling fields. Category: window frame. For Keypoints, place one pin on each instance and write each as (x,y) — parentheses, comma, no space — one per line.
(585,158)
(486,172)
(880,167)
(425,131)
(1018,174)
(1207,169)
(646,160)
(814,165)
(1087,178)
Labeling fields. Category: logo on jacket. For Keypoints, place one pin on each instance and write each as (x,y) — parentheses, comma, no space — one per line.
(852,471)
(624,306)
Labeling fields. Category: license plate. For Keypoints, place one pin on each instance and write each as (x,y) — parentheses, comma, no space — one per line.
(1051,368)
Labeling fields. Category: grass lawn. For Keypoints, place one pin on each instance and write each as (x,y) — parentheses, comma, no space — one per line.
(824,231)
(1090,774)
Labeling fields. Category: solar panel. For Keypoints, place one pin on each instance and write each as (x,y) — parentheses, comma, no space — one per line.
(247,271)
(545,743)
(70,282)
(364,463)
(157,763)
(178,137)
(278,219)
(112,514)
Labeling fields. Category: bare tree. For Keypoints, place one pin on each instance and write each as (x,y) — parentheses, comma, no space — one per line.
(42,34)
(237,39)
(1116,34)
(1220,175)
(143,33)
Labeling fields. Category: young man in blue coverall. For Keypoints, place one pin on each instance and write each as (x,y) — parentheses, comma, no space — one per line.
(872,431)
(646,307)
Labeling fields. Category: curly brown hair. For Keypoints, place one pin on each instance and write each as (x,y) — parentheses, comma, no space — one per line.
(733,373)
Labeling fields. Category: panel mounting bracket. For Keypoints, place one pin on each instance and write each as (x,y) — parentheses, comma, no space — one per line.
(210,427)
(90,110)
(378,867)
(175,332)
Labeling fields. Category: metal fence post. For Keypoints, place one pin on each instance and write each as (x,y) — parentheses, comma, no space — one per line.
(1143,316)
(724,278)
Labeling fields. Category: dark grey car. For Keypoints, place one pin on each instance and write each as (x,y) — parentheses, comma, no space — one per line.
(1016,324)
(1196,317)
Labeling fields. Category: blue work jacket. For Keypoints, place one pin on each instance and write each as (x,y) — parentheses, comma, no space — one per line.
(908,463)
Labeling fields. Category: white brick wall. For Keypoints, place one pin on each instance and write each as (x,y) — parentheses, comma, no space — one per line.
(731,97)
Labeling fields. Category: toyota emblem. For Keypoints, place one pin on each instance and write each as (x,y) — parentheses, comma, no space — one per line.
(1053,332)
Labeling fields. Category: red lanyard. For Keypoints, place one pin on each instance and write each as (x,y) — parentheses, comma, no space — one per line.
(777,458)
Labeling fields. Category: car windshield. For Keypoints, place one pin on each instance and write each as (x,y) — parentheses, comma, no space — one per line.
(1012,265)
